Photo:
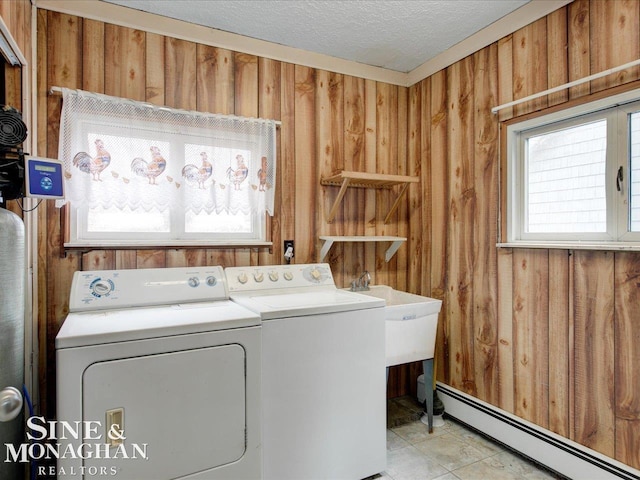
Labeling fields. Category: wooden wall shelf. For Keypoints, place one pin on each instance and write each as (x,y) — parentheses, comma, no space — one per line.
(391,251)
(346,179)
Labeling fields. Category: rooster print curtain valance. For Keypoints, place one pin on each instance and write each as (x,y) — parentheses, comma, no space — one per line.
(128,154)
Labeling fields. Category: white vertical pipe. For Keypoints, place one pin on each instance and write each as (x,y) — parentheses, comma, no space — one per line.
(31,225)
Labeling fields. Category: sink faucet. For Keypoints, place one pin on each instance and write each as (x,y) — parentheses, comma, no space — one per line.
(362,283)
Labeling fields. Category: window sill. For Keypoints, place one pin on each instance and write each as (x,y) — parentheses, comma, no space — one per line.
(615,246)
(106,245)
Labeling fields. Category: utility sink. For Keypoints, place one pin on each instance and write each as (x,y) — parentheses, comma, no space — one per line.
(411,324)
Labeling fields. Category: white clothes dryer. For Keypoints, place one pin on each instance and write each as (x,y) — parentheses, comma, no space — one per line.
(323,366)
(164,372)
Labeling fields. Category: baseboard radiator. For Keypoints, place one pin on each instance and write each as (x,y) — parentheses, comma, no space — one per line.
(543,446)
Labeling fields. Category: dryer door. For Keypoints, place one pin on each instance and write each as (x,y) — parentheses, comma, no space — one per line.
(154,397)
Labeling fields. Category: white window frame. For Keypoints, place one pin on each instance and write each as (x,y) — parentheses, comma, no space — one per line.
(615,109)
(79,236)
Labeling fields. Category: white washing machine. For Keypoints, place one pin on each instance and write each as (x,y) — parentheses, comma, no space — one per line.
(163,359)
(323,372)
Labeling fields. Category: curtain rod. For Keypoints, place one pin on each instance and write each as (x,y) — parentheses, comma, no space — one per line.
(566,85)
(58,91)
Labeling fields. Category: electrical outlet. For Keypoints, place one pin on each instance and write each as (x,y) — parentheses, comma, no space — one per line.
(288,250)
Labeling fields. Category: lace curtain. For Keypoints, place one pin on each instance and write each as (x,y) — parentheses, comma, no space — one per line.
(122,153)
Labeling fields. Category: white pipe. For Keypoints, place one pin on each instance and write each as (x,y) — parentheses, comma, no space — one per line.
(32,352)
(567,85)
(9,47)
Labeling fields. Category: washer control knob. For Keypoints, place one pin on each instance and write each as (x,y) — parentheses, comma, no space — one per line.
(273,276)
(194,282)
(211,281)
(259,276)
(101,287)
(315,274)
(242,278)
(288,276)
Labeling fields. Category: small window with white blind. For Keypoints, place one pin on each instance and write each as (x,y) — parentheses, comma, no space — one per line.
(139,174)
(574,176)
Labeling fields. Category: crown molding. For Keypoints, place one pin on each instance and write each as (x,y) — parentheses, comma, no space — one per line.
(528,13)
(128,17)
(149,22)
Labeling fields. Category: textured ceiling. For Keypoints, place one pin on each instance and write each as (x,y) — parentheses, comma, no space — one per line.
(397,35)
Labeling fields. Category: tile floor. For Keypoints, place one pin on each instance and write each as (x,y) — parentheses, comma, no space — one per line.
(451,452)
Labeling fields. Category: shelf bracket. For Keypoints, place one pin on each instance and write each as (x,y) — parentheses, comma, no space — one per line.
(336,203)
(346,179)
(396,204)
(326,246)
(391,251)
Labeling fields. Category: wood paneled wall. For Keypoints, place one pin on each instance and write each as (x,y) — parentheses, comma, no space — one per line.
(329,122)
(16,15)
(549,335)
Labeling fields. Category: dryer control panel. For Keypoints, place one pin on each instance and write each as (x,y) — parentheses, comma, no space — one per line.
(108,289)
(278,276)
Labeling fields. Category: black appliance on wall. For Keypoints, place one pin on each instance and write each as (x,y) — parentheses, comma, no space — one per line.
(13,132)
